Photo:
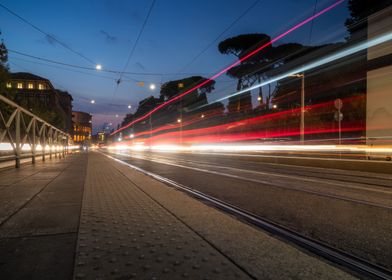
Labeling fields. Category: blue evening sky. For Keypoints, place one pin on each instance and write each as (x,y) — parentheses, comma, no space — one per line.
(105,30)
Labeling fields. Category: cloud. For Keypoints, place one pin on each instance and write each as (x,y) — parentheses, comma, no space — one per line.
(140,66)
(52,40)
(109,38)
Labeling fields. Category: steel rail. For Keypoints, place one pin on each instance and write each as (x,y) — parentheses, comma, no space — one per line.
(34,132)
(334,255)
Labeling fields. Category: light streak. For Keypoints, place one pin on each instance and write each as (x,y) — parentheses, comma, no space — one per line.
(310,66)
(231,66)
(240,148)
(27,148)
(242,123)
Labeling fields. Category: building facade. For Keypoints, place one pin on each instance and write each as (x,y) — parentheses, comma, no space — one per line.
(38,95)
(82,127)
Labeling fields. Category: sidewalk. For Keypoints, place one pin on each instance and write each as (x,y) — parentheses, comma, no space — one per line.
(133,227)
(39,218)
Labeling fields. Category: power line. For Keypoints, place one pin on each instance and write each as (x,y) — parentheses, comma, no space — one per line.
(221,72)
(137,39)
(220,35)
(64,45)
(133,49)
(102,70)
(63,68)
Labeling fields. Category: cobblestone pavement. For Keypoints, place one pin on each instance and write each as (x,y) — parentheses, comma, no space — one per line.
(125,234)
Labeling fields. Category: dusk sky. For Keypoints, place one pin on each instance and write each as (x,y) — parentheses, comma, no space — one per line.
(104,31)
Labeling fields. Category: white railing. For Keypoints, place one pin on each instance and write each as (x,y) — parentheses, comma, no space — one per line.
(25,135)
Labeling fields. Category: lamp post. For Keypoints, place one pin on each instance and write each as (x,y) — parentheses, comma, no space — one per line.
(302,122)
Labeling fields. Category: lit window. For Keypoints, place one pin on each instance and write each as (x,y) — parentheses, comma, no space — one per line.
(19,85)
(9,85)
(41,86)
(30,86)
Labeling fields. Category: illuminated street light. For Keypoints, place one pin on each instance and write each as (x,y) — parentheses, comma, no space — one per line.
(202,116)
(129,106)
(131,135)
(274,106)
(98,67)
(92,101)
(152,86)
(116,116)
(179,120)
(259,98)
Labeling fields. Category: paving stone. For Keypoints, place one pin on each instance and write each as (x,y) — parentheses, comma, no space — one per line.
(124,234)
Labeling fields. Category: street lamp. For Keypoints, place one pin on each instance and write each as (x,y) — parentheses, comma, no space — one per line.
(92,101)
(98,67)
(302,123)
(152,86)
(129,106)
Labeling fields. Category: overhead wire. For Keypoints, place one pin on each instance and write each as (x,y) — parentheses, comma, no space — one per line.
(134,46)
(103,69)
(52,37)
(220,35)
(180,96)
(78,95)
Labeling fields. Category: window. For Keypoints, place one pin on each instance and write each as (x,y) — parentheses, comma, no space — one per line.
(19,85)
(9,85)
(41,86)
(30,86)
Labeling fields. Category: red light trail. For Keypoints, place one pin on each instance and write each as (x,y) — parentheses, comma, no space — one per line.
(230,66)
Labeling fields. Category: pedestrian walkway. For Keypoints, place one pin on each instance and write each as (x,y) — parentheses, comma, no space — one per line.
(39,218)
(132,227)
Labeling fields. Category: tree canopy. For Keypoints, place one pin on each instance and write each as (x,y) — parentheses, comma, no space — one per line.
(3,64)
(360,10)
(196,98)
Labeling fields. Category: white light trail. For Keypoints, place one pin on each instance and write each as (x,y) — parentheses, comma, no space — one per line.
(352,50)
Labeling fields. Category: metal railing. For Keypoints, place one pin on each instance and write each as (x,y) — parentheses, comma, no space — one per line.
(26,135)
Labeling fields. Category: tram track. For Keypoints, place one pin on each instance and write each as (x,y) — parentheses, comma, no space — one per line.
(347,260)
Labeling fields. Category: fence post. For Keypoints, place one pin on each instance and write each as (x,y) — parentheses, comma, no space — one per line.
(17,139)
(34,143)
(43,141)
(64,144)
(54,143)
(50,142)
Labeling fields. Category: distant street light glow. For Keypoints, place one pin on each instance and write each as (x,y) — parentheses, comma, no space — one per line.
(92,101)
(129,106)
(152,86)
(98,67)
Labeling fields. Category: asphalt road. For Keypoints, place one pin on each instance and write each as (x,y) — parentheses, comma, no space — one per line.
(349,210)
